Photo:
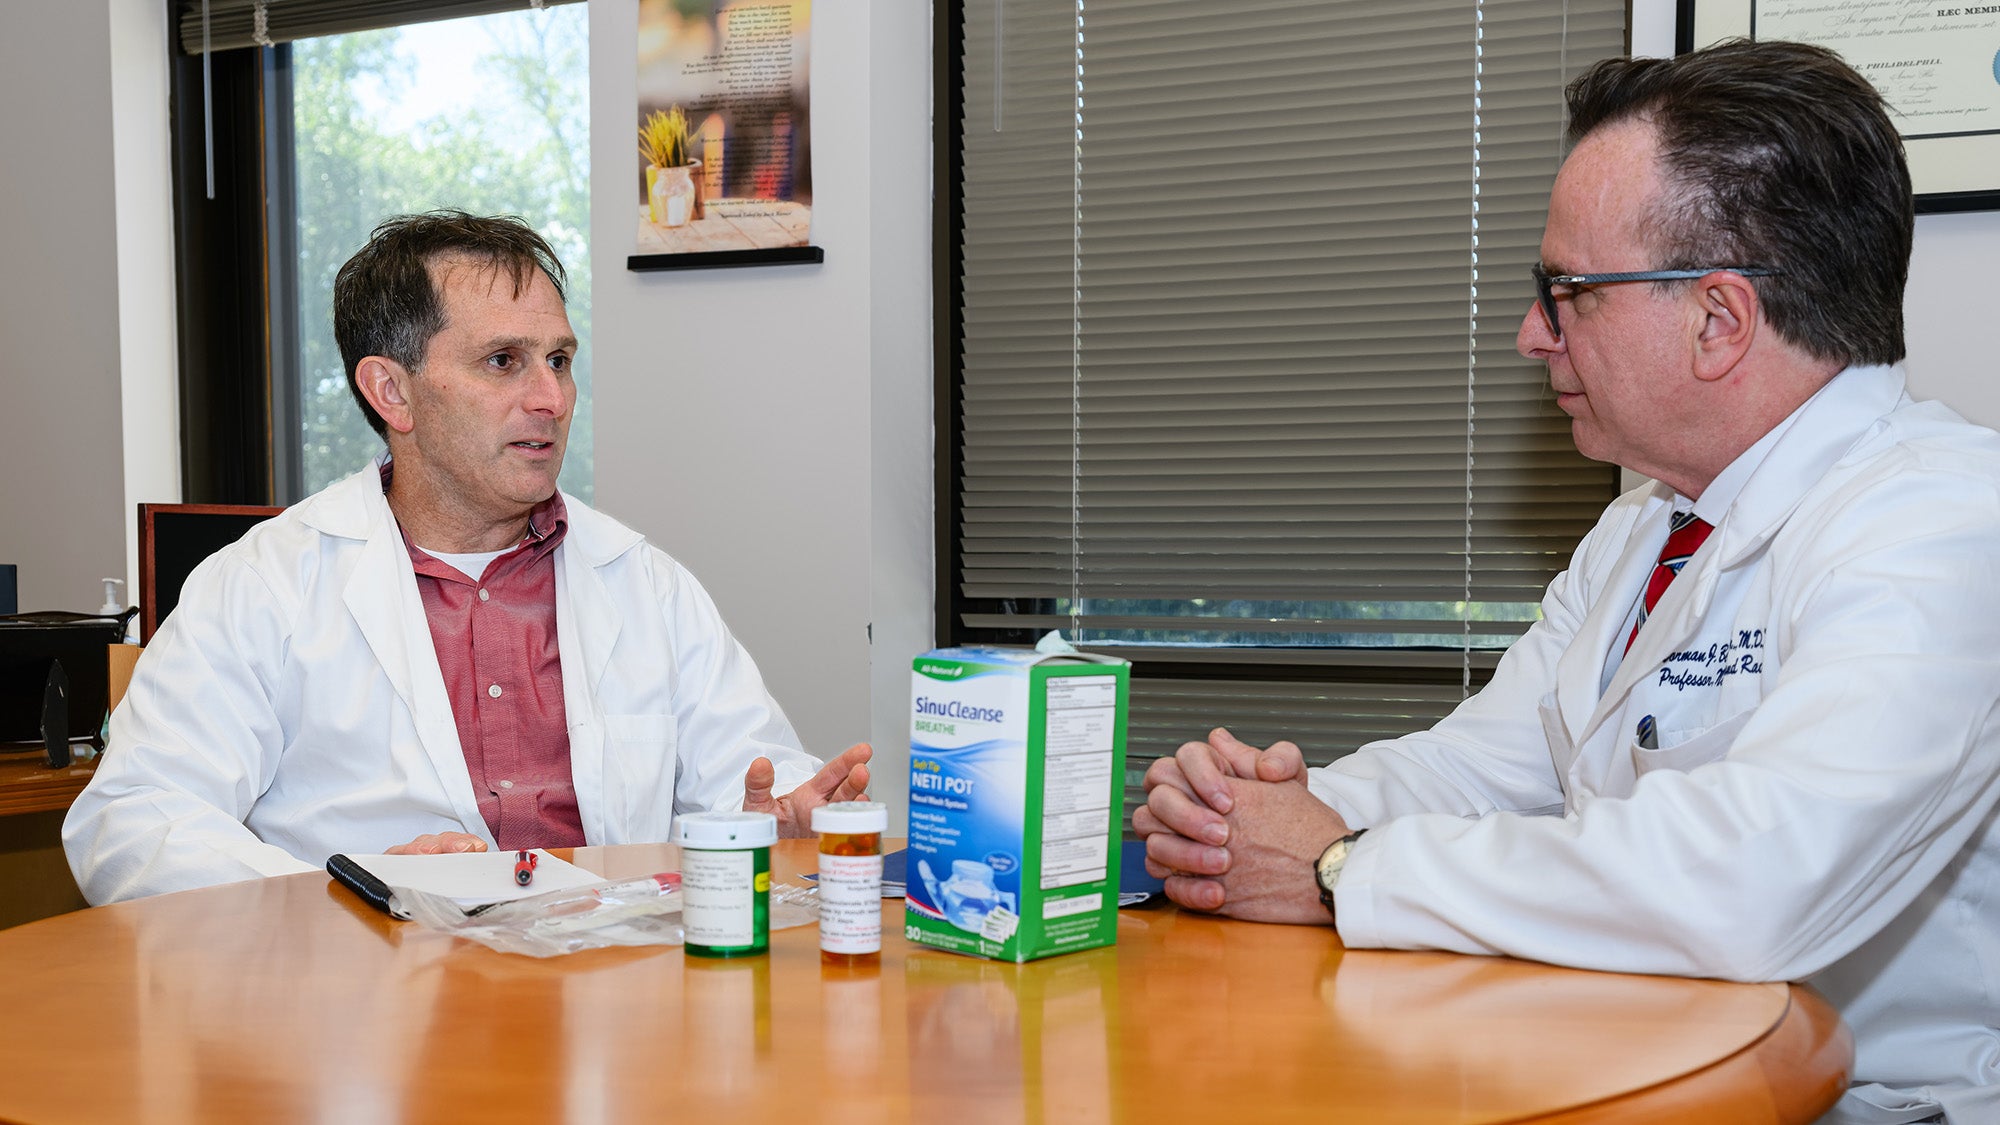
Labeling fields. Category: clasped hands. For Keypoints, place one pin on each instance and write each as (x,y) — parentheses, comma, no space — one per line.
(845,778)
(1233,830)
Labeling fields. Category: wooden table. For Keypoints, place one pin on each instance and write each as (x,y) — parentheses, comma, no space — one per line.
(284,1000)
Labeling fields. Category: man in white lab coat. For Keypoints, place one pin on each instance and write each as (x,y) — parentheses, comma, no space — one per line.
(1781,762)
(441,652)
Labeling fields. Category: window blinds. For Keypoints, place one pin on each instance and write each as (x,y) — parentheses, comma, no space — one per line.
(1234,364)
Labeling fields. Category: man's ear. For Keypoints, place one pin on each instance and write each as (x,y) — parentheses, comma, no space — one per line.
(1730,314)
(385,383)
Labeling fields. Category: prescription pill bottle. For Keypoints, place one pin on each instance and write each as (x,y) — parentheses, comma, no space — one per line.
(850,881)
(726,881)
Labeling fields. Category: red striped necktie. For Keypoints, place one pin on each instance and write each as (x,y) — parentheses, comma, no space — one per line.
(1688,533)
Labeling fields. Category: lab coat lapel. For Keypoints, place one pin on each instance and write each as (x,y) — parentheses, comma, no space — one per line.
(381,595)
(1608,766)
(1824,430)
(1840,414)
(1580,694)
(1671,625)
(587,624)
(1844,412)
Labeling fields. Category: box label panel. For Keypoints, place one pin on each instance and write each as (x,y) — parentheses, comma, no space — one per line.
(1015,763)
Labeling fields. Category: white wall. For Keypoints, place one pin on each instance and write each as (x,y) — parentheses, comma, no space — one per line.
(147,335)
(61,503)
(771,427)
(87,305)
(902,527)
(1952,313)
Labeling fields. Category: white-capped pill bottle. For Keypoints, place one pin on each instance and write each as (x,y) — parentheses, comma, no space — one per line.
(726,881)
(850,881)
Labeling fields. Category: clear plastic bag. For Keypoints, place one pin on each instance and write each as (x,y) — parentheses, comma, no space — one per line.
(644,911)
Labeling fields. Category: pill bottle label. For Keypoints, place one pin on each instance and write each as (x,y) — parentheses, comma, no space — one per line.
(850,903)
(718,897)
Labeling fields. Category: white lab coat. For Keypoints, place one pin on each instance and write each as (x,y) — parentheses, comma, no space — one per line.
(1825,675)
(292,706)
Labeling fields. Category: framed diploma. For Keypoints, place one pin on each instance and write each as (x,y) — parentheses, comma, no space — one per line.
(1937,63)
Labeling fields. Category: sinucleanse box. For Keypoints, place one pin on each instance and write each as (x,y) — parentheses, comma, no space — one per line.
(1017,773)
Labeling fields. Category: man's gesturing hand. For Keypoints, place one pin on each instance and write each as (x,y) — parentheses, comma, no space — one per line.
(843,779)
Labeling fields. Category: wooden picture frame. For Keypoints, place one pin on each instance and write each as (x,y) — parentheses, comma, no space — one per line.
(173,540)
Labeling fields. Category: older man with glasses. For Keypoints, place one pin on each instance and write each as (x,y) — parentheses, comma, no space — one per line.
(1756,733)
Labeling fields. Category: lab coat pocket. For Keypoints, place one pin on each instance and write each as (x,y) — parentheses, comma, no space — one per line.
(1683,750)
(639,773)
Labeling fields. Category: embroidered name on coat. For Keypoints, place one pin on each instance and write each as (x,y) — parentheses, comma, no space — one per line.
(1707,667)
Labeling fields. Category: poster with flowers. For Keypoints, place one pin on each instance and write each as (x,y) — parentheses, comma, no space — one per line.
(724,169)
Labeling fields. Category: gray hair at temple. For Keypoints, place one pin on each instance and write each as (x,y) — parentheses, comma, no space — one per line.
(386,303)
(1780,156)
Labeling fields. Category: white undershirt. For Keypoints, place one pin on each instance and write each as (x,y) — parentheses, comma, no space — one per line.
(472,566)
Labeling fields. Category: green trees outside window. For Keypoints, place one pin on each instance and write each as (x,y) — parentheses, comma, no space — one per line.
(489,114)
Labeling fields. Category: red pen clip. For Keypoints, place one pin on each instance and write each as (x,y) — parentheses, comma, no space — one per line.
(524,867)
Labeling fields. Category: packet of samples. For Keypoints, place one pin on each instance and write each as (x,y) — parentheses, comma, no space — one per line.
(1017,777)
(641,911)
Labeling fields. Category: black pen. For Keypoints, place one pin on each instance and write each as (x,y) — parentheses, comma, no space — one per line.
(361,881)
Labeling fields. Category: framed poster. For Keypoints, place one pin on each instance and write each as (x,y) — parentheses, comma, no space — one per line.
(1936,62)
(724,169)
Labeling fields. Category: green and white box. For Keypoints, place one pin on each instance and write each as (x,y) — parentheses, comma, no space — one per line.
(1017,774)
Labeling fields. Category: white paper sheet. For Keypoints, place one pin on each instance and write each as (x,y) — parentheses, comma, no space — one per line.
(472,878)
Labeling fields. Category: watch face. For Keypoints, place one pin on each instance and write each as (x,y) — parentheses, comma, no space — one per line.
(1330,862)
(1327,869)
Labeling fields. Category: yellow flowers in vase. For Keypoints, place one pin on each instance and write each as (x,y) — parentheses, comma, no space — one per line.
(668,146)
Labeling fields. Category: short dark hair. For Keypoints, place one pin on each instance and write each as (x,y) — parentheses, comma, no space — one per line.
(386,303)
(1776,155)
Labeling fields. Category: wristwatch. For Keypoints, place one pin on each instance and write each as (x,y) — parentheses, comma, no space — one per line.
(1326,869)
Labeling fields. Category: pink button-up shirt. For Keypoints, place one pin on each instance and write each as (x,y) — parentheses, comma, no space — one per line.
(496,645)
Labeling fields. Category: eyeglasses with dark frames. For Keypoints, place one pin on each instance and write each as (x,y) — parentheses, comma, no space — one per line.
(1545,283)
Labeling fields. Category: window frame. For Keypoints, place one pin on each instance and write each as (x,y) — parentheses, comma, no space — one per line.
(236,254)
(222,262)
